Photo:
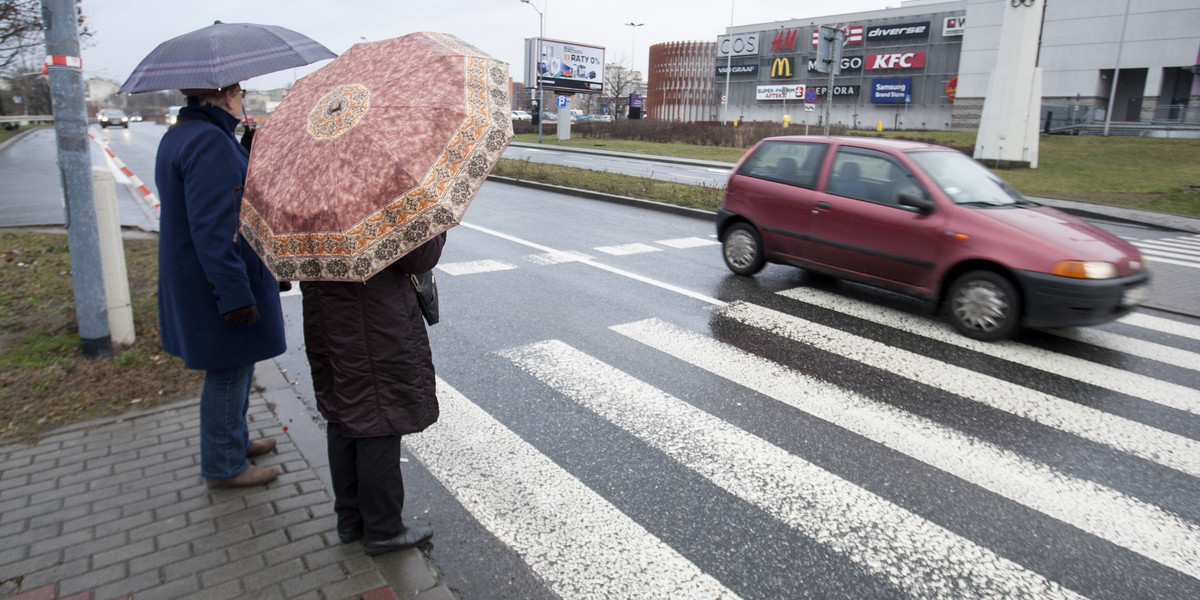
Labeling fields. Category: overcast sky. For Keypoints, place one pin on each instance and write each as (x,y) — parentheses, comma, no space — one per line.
(125,31)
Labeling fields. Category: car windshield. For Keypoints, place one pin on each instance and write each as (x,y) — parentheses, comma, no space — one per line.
(965,181)
(112,112)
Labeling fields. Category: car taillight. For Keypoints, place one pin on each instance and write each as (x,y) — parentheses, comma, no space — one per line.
(1085,269)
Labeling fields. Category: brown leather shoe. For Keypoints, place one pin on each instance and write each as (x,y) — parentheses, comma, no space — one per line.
(251,477)
(260,446)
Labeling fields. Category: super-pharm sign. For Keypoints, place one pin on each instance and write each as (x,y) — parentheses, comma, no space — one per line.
(895,60)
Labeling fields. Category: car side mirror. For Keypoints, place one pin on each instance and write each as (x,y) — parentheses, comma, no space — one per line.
(917,202)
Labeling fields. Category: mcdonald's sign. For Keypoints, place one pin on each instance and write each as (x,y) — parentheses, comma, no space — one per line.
(782,67)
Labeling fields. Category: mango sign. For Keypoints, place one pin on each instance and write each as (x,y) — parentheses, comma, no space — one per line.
(952,88)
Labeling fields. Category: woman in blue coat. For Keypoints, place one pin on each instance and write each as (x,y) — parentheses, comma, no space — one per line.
(218,305)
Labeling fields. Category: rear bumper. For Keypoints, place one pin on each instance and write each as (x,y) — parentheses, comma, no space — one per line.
(1053,301)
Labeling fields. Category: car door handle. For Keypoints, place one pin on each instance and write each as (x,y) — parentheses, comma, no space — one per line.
(823,206)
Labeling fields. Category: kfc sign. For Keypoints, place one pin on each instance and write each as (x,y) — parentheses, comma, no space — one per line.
(896,60)
(898,32)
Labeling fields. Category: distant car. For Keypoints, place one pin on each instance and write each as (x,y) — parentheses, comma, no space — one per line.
(601,118)
(930,222)
(135,117)
(249,122)
(113,117)
(173,115)
(520,115)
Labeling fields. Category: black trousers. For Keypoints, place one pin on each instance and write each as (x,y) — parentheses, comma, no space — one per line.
(367,487)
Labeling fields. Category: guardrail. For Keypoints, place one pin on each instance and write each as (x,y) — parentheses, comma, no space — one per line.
(27,119)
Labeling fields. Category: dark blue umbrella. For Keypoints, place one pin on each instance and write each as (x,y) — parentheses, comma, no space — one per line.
(222,54)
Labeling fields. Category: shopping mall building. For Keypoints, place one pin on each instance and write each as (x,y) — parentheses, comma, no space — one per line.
(927,65)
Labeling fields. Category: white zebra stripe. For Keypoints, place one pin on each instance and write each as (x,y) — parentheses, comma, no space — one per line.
(474,267)
(1133,384)
(1183,250)
(575,540)
(1101,511)
(922,558)
(1162,325)
(1164,448)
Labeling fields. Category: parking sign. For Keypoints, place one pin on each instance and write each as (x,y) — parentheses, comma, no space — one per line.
(810,95)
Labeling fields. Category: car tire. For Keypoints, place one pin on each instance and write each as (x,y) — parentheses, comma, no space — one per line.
(742,248)
(983,305)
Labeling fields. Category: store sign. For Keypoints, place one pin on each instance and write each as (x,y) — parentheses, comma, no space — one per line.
(781,68)
(838,90)
(953,26)
(892,90)
(896,60)
(737,70)
(952,88)
(898,32)
(742,44)
(854,34)
(779,92)
(785,41)
(849,63)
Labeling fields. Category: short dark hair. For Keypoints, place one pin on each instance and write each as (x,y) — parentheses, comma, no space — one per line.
(209,96)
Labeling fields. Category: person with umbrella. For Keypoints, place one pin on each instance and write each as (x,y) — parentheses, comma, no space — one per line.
(219,306)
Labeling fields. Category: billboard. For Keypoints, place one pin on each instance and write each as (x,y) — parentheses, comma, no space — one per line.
(891,90)
(565,66)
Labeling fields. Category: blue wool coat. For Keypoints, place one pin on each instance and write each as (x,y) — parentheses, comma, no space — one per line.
(205,268)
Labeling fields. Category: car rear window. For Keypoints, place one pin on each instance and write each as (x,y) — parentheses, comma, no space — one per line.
(793,163)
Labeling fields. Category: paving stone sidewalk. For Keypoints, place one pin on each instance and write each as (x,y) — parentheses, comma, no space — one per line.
(116,508)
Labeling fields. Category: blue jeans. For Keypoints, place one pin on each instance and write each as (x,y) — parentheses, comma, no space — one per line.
(224,435)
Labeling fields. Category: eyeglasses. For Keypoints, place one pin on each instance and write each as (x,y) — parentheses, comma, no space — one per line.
(241,93)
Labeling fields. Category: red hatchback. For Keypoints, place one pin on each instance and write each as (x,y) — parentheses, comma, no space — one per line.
(927,221)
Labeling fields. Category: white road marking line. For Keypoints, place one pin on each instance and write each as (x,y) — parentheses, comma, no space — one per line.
(474,267)
(1145,442)
(557,257)
(688,242)
(1150,257)
(1101,511)
(627,249)
(1163,353)
(601,266)
(1139,386)
(920,557)
(1184,250)
(582,546)
(1162,325)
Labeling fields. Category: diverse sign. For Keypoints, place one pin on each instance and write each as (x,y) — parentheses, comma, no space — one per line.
(785,41)
(779,92)
(565,66)
(854,34)
(891,90)
(781,68)
(953,26)
(895,60)
(742,44)
(898,32)
(849,63)
(737,69)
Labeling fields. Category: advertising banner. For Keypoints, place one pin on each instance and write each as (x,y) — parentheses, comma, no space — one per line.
(568,66)
(851,64)
(738,70)
(742,44)
(891,90)
(779,92)
(953,26)
(896,60)
(838,90)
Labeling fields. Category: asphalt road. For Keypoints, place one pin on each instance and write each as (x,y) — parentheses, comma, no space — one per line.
(624,418)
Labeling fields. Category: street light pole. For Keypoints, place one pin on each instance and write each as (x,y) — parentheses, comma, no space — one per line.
(728,72)
(537,75)
(633,61)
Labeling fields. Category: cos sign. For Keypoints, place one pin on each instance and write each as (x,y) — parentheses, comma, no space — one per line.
(898,60)
(737,45)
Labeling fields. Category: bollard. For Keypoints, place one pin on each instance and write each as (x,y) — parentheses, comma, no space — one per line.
(112,257)
(879,126)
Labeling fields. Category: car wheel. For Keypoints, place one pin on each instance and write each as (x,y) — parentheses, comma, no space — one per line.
(742,249)
(984,305)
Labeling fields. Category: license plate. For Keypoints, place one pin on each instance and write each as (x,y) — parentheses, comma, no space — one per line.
(1135,296)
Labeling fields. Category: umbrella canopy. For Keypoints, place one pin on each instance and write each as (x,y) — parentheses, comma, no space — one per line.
(374,154)
(222,54)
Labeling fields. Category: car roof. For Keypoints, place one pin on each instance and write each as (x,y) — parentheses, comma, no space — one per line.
(864,142)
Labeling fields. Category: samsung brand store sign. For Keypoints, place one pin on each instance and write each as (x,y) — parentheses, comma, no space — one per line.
(891,90)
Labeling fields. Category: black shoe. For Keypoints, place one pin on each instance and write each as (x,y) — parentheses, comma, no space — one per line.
(350,535)
(410,537)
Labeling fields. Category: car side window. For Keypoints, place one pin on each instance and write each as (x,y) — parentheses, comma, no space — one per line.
(870,176)
(793,163)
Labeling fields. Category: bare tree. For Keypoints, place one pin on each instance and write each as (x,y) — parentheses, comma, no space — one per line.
(21,30)
(619,83)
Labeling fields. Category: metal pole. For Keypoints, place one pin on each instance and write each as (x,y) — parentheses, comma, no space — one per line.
(65,73)
(728,71)
(1112,92)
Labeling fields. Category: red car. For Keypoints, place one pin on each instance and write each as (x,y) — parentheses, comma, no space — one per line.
(927,221)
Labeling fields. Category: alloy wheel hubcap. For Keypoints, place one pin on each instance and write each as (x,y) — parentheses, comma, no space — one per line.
(981,305)
(739,249)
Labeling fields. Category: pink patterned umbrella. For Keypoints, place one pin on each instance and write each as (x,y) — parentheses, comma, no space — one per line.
(374,154)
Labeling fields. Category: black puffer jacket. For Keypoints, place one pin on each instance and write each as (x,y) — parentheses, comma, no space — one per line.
(371,363)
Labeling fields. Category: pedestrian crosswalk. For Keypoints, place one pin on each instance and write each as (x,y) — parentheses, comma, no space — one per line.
(1183,251)
(584,546)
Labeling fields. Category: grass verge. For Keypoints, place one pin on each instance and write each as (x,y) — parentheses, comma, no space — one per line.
(44,380)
